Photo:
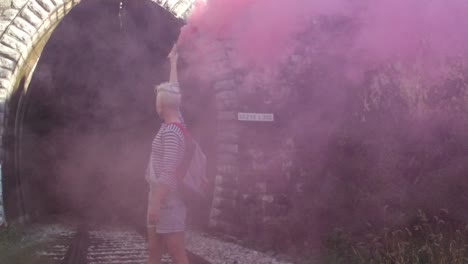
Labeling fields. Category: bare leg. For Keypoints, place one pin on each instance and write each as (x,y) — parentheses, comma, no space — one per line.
(176,247)
(155,246)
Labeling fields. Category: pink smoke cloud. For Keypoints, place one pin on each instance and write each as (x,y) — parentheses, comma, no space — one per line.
(411,28)
(261,31)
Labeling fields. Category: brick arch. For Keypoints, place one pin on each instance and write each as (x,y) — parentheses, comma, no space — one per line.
(25,27)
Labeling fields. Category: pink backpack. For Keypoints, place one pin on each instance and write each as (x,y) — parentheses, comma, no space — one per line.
(193,181)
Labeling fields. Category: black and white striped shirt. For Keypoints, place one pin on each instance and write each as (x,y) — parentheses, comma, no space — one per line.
(167,152)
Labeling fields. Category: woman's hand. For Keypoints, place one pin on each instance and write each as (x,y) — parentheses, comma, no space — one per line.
(173,55)
(154,207)
(153,214)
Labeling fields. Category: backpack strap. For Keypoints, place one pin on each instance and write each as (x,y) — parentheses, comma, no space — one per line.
(183,129)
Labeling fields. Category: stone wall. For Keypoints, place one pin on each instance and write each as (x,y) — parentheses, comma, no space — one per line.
(224,86)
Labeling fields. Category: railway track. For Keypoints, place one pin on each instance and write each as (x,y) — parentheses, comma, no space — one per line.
(67,243)
(104,246)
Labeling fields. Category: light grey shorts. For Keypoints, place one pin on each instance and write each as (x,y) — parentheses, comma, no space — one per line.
(172,214)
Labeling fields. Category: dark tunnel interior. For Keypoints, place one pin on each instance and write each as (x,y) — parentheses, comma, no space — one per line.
(89,112)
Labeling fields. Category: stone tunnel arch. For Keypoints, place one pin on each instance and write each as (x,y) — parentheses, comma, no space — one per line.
(25,27)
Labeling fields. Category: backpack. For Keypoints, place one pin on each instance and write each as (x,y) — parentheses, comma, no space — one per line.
(191,173)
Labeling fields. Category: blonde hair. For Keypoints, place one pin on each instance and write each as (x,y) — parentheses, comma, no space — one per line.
(169,94)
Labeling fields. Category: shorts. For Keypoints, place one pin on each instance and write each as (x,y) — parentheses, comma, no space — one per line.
(172,214)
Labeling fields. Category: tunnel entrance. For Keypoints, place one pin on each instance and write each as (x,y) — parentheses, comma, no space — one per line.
(90,118)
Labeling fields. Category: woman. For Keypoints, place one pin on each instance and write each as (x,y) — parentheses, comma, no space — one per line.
(166,209)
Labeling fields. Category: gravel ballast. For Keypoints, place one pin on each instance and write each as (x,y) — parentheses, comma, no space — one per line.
(217,251)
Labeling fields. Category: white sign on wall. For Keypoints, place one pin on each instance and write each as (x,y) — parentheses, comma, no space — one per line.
(258,117)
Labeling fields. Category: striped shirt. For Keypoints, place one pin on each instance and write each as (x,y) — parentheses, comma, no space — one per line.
(166,154)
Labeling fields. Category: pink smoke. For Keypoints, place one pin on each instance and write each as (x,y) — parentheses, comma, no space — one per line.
(261,31)
(412,28)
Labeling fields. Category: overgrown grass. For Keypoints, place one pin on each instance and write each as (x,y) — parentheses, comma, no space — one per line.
(435,240)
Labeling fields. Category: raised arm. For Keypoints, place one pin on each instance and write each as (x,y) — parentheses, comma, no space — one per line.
(173,58)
